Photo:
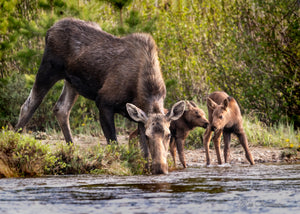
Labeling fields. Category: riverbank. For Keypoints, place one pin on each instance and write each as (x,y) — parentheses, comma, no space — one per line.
(39,154)
(196,157)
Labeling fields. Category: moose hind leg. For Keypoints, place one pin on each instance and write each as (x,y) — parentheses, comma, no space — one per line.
(243,140)
(45,79)
(227,139)
(63,108)
(173,150)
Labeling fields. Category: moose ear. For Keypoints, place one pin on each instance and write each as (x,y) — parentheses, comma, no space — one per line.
(136,113)
(176,111)
(226,102)
(211,104)
(193,104)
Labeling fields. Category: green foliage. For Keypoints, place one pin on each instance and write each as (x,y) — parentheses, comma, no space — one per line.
(23,156)
(247,48)
(12,94)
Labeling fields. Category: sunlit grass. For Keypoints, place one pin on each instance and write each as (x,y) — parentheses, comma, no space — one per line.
(23,155)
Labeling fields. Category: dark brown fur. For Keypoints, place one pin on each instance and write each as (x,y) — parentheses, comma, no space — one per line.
(111,71)
(180,129)
(224,118)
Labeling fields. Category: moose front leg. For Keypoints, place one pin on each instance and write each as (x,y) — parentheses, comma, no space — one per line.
(144,145)
(107,123)
(217,139)
(207,137)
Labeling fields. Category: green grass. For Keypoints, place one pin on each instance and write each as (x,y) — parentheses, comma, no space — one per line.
(21,155)
(281,135)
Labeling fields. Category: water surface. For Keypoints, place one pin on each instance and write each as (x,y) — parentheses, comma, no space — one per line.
(263,188)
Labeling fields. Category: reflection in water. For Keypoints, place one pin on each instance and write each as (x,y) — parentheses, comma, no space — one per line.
(236,189)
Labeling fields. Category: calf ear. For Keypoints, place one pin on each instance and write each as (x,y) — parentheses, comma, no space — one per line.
(193,104)
(211,104)
(176,111)
(136,114)
(226,102)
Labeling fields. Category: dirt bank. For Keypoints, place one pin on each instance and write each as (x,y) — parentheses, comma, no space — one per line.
(196,157)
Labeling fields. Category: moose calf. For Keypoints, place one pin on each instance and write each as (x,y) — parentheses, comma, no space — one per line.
(224,117)
(180,129)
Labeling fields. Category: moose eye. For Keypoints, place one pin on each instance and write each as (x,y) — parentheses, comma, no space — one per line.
(221,117)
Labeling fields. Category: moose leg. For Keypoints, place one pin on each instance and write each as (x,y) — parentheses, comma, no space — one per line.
(173,150)
(207,138)
(45,79)
(243,140)
(227,138)
(108,123)
(180,149)
(217,139)
(63,108)
(143,144)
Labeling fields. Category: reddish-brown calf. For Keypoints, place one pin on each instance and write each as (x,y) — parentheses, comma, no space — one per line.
(224,118)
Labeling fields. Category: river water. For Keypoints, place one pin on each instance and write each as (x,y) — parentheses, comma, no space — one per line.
(263,188)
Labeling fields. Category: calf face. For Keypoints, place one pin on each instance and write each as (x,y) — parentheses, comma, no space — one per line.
(157,132)
(221,115)
(194,116)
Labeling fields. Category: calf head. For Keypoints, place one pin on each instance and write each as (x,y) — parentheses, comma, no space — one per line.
(157,132)
(195,116)
(221,115)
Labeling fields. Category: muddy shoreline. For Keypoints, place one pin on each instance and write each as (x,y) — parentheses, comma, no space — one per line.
(196,157)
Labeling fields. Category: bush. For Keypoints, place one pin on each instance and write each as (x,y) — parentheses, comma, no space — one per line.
(23,156)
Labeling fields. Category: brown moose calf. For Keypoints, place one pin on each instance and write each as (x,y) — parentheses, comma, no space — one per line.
(224,117)
(180,129)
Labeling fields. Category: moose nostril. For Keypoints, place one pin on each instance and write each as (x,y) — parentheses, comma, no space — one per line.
(205,125)
(213,128)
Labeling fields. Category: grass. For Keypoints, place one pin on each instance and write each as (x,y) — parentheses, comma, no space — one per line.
(22,155)
(282,135)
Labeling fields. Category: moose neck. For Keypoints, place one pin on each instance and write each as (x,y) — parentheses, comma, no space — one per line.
(151,86)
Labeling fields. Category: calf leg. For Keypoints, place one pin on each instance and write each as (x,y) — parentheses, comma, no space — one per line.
(45,79)
(207,138)
(227,138)
(173,150)
(180,149)
(217,139)
(243,140)
(63,108)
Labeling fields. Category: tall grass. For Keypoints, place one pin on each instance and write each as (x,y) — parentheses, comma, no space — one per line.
(280,135)
(22,155)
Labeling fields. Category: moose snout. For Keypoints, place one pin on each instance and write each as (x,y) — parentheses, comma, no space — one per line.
(213,128)
(159,168)
(205,125)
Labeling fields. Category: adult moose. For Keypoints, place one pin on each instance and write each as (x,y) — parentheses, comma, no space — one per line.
(111,71)
(225,118)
